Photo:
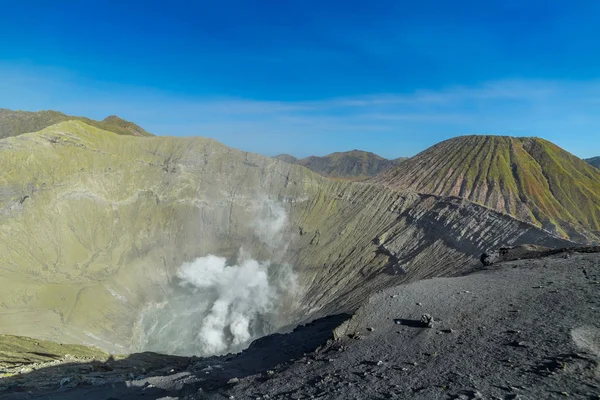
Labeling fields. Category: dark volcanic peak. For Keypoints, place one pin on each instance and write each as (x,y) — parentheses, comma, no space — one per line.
(352,165)
(14,123)
(594,161)
(529,178)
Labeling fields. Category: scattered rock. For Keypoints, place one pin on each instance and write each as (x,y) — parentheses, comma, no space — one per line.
(427,321)
(379,363)
(470,395)
(518,344)
(370,329)
(233,381)
(69,382)
(355,335)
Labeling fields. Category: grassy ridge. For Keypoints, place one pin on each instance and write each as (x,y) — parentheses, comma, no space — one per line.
(14,123)
(17,351)
(529,178)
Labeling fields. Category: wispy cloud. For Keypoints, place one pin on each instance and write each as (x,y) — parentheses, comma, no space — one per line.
(565,112)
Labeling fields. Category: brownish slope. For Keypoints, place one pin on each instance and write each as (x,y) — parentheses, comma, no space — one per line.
(350,165)
(529,178)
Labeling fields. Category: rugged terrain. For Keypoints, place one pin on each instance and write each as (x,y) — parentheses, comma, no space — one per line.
(14,123)
(520,329)
(528,178)
(121,244)
(595,161)
(349,165)
(95,225)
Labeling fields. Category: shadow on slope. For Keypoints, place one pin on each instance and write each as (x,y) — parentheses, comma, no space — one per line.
(156,375)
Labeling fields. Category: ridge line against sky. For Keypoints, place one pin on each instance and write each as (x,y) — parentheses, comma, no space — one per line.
(312,78)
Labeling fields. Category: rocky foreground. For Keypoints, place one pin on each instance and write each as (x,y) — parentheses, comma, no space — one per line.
(518,329)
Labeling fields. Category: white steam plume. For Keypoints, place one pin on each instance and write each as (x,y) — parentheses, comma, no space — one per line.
(219,308)
(242,294)
(270,224)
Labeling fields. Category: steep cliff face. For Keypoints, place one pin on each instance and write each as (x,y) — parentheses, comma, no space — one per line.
(94,227)
(529,178)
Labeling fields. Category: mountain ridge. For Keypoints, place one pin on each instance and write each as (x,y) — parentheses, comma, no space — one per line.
(351,165)
(594,161)
(14,123)
(529,178)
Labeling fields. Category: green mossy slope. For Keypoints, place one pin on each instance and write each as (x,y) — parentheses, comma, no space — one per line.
(18,350)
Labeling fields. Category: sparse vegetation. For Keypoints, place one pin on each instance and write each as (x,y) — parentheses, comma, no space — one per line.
(14,123)
(529,178)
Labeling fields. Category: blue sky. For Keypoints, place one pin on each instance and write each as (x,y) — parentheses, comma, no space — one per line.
(313,77)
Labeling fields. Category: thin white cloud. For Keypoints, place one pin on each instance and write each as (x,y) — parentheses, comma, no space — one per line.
(562,111)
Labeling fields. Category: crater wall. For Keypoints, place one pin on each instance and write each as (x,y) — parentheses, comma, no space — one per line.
(94,227)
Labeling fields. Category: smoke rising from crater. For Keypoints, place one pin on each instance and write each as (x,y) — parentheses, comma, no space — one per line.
(218,306)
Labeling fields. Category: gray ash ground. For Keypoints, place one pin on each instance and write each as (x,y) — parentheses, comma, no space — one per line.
(525,329)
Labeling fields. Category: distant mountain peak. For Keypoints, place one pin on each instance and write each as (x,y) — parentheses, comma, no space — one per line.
(350,165)
(594,161)
(286,158)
